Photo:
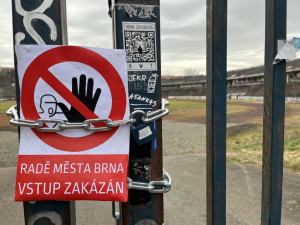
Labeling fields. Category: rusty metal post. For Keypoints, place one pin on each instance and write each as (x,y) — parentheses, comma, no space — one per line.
(137,29)
(216,48)
(274,110)
(42,22)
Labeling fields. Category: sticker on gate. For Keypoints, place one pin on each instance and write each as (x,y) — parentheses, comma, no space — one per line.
(72,84)
(139,43)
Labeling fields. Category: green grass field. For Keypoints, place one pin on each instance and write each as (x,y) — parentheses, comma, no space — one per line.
(4,106)
(176,104)
(195,104)
(245,144)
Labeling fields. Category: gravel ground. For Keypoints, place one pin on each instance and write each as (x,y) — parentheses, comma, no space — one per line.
(9,148)
(192,140)
(180,138)
(188,184)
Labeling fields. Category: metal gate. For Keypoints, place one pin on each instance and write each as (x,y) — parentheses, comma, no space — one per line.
(274,110)
(274,107)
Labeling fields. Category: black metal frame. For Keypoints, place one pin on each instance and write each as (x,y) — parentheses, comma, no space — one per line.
(216,111)
(274,111)
(57,12)
(142,206)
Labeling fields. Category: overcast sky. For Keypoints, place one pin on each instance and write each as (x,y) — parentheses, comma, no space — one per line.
(183,28)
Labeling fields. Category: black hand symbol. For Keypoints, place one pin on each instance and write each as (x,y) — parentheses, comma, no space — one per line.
(86,97)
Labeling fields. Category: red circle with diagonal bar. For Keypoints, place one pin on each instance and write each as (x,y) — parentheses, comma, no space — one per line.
(39,69)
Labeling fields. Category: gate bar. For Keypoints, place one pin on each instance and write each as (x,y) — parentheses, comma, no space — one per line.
(42,212)
(145,161)
(216,48)
(274,111)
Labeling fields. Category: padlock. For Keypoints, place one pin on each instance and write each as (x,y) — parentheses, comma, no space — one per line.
(143,133)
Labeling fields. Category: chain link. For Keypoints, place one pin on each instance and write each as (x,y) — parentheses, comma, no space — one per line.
(156,187)
(26,123)
(157,114)
(61,125)
(118,123)
(68,125)
(50,129)
(91,121)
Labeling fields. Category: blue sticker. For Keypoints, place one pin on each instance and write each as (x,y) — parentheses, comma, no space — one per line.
(154,141)
(296,43)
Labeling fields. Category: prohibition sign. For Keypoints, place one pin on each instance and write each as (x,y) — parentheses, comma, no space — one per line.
(39,69)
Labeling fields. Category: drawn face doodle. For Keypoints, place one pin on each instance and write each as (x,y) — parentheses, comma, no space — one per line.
(48,105)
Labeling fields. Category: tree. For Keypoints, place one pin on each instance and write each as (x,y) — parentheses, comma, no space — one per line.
(190,71)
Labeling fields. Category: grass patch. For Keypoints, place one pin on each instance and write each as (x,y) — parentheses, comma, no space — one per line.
(181,104)
(190,108)
(245,147)
(186,109)
(296,166)
(240,160)
(4,119)
(5,105)
(186,104)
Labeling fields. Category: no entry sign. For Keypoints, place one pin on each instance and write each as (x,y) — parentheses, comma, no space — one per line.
(74,84)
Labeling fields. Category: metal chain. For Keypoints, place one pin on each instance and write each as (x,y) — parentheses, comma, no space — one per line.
(61,125)
(156,187)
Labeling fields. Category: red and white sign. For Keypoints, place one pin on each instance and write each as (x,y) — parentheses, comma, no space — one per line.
(72,83)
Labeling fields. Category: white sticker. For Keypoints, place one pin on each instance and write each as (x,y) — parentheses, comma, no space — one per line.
(145,132)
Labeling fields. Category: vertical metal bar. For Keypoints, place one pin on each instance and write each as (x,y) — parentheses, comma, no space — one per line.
(216,111)
(42,22)
(145,161)
(274,110)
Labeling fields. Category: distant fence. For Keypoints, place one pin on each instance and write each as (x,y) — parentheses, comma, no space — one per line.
(237,97)
(260,98)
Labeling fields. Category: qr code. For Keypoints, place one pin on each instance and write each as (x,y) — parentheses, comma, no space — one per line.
(140,46)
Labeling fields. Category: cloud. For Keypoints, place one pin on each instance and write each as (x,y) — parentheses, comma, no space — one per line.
(246,24)
(6,37)
(89,24)
(183,36)
(183,31)
(293,28)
